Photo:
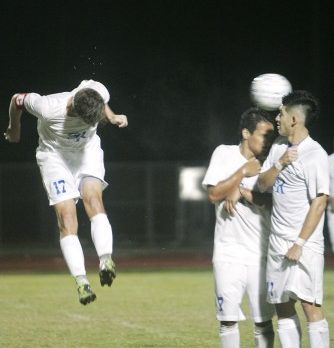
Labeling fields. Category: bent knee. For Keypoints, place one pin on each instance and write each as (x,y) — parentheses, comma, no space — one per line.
(93,200)
(67,222)
(313,312)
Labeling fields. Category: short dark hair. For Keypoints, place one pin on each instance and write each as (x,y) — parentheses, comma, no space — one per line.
(89,105)
(307,101)
(250,118)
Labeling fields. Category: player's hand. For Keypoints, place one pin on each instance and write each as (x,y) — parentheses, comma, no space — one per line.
(246,194)
(13,135)
(289,156)
(231,200)
(119,120)
(252,167)
(294,253)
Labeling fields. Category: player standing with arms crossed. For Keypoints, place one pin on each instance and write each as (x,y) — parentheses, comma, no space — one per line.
(241,232)
(70,159)
(297,168)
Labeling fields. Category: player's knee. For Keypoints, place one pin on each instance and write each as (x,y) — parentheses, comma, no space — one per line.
(67,222)
(93,202)
(313,312)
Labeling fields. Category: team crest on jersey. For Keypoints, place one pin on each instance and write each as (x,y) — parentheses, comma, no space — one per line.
(77,136)
(279,186)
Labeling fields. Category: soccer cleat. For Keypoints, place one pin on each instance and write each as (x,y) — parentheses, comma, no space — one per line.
(86,294)
(107,272)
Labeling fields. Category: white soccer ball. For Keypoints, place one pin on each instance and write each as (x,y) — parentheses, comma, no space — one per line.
(267,90)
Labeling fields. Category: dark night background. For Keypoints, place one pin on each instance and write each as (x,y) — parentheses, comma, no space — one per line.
(180,70)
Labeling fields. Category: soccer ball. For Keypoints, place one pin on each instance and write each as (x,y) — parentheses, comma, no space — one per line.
(267,90)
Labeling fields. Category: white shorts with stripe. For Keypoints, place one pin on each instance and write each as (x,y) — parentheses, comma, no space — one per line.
(232,281)
(293,280)
(62,172)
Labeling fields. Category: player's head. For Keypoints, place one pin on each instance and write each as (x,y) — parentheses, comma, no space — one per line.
(256,129)
(251,118)
(89,106)
(302,103)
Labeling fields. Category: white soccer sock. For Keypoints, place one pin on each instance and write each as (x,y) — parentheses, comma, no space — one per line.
(318,334)
(264,336)
(73,255)
(289,332)
(101,233)
(229,336)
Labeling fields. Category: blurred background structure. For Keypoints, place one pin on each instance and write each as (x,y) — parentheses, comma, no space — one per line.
(181,71)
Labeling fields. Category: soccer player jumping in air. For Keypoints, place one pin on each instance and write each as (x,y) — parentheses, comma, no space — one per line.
(71,163)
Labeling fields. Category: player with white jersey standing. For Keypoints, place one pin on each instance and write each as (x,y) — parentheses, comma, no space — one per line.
(241,231)
(297,170)
(71,163)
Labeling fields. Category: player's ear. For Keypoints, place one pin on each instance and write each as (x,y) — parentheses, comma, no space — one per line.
(293,120)
(245,133)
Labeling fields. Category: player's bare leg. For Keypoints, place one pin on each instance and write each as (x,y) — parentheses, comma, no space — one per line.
(71,248)
(91,191)
(317,325)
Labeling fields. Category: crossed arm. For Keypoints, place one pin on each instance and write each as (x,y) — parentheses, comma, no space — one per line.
(229,190)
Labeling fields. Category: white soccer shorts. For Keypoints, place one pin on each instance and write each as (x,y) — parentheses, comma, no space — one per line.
(296,280)
(62,172)
(232,281)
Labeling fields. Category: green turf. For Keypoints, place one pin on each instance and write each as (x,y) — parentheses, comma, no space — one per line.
(141,309)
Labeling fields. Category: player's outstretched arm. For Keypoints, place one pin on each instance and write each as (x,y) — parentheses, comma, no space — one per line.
(13,132)
(119,120)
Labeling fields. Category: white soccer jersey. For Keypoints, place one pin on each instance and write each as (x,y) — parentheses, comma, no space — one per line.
(295,187)
(242,238)
(57,130)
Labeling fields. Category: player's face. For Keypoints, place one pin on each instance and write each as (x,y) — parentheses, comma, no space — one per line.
(283,121)
(259,138)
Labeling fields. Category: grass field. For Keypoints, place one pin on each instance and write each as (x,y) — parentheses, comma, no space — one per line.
(142,309)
